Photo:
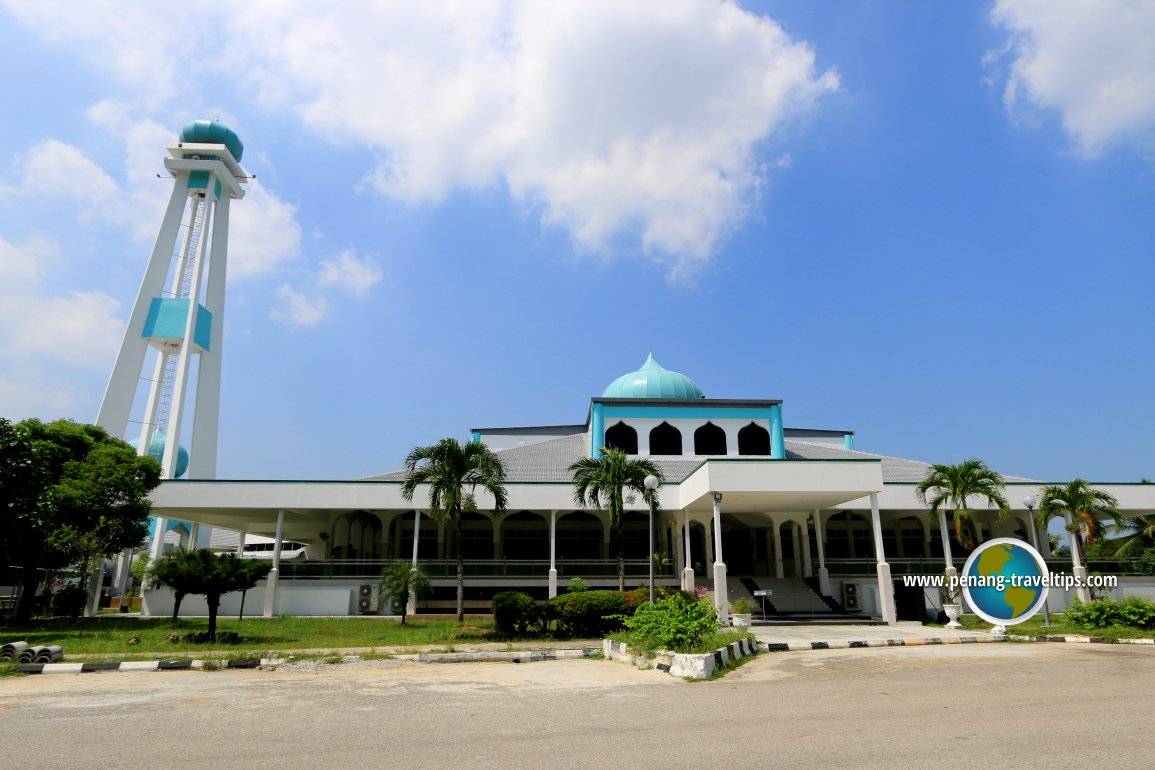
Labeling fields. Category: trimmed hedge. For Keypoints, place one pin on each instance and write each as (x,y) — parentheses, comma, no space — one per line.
(588,613)
(515,613)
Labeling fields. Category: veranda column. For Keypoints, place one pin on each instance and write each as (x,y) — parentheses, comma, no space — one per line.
(807,568)
(1077,561)
(241,543)
(411,600)
(779,570)
(687,564)
(720,593)
(552,554)
(885,584)
(271,580)
(823,573)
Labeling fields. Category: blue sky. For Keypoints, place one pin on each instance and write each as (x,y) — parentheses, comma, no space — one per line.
(928,223)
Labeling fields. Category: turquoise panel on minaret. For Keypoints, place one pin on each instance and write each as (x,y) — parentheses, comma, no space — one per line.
(166,321)
(653,381)
(213,132)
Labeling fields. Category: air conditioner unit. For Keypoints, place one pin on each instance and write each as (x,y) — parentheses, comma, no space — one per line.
(850,596)
(367,599)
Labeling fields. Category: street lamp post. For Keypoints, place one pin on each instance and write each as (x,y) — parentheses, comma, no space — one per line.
(652,485)
(1030,501)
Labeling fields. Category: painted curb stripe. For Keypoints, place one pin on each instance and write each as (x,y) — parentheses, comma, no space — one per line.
(29,668)
(173,665)
(87,667)
(244,663)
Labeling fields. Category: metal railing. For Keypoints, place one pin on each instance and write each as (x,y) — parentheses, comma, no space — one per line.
(447,568)
(936,566)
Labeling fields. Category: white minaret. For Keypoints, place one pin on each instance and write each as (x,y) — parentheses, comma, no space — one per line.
(179,312)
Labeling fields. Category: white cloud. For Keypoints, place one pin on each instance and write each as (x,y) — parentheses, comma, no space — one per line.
(625,123)
(263,233)
(348,272)
(48,340)
(1093,61)
(298,310)
(54,168)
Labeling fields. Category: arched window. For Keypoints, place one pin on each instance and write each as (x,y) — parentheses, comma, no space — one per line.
(579,536)
(709,440)
(525,535)
(753,440)
(623,437)
(357,536)
(665,440)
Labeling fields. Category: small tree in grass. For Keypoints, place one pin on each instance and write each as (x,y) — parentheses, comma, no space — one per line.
(399,580)
(252,572)
(175,570)
(203,572)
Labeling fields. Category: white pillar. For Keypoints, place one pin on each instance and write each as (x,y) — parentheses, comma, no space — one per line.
(885,585)
(807,570)
(207,406)
(194,533)
(1079,569)
(241,536)
(552,554)
(271,580)
(823,573)
(688,568)
(779,570)
(721,599)
(411,600)
(93,604)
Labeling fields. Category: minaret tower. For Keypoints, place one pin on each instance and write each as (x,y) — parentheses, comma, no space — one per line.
(179,312)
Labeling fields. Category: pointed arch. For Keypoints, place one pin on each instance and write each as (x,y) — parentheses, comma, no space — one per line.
(753,440)
(623,437)
(665,440)
(709,440)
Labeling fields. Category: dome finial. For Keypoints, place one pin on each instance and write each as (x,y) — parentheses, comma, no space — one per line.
(653,380)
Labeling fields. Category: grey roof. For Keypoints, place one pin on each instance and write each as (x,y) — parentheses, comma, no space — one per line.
(549,461)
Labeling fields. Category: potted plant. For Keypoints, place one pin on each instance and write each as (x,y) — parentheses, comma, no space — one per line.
(741,612)
(951,605)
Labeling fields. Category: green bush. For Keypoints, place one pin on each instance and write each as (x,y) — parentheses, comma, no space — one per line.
(1132,612)
(515,613)
(674,623)
(641,595)
(588,613)
(577,585)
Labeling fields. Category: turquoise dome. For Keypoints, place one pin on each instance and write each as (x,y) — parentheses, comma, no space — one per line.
(213,132)
(156,452)
(653,381)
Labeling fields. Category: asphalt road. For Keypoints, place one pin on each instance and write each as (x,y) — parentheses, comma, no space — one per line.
(999,705)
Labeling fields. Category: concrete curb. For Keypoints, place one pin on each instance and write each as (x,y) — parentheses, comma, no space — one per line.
(143,665)
(682,665)
(1080,640)
(489,656)
(843,644)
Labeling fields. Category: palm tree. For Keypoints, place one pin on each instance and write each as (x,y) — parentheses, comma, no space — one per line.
(400,581)
(453,471)
(1085,506)
(952,486)
(1139,538)
(601,483)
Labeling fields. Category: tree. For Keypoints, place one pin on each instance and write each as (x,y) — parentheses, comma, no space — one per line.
(601,482)
(453,471)
(252,572)
(200,571)
(953,486)
(178,570)
(399,580)
(69,493)
(1087,507)
(1139,537)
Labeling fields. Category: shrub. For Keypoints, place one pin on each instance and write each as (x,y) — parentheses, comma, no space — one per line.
(577,585)
(641,595)
(1132,612)
(671,624)
(588,613)
(514,612)
(742,606)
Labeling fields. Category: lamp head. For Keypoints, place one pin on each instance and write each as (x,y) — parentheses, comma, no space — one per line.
(651,482)
(1030,501)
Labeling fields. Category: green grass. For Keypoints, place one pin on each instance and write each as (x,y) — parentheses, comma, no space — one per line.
(110,635)
(1034,626)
